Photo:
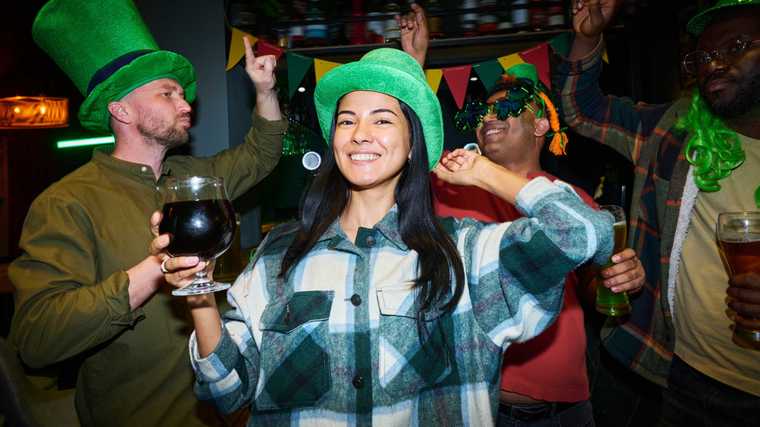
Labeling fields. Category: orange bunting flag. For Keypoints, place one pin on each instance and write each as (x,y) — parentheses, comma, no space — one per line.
(433,77)
(321,67)
(237,48)
(457,79)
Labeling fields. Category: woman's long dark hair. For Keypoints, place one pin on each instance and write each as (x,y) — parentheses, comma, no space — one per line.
(419,228)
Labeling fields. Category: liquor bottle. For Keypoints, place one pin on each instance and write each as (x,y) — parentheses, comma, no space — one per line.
(435,22)
(315,34)
(504,15)
(488,20)
(296,31)
(357,30)
(469,18)
(391,30)
(376,25)
(556,15)
(520,16)
(539,16)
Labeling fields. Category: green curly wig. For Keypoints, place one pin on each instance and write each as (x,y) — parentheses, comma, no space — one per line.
(712,148)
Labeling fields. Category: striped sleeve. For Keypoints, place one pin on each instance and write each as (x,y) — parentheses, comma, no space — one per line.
(229,375)
(517,270)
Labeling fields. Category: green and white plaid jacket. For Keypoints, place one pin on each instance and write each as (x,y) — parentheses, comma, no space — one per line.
(337,342)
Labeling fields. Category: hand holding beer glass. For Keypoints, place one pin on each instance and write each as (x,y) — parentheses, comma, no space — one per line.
(607,302)
(200,222)
(739,241)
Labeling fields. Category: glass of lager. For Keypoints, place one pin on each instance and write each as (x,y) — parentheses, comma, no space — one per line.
(739,241)
(607,302)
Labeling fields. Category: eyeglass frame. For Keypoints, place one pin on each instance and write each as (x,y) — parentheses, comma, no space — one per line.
(720,53)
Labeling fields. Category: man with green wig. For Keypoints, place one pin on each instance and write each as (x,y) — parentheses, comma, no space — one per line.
(86,285)
(693,159)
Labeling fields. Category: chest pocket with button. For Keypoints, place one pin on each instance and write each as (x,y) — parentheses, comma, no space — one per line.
(406,363)
(294,362)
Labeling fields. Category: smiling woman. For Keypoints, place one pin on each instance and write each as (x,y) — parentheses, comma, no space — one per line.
(371,140)
(370,309)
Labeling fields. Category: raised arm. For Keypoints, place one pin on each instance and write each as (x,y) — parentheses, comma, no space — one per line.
(516,270)
(244,165)
(590,18)
(415,37)
(617,122)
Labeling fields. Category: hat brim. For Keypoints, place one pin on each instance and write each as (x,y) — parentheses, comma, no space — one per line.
(700,21)
(94,115)
(377,77)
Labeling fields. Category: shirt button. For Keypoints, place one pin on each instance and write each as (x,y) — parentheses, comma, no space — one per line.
(356,300)
(144,168)
(370,241)
(358,381)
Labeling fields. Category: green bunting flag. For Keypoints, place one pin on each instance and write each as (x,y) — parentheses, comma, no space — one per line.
(489,73)
(298,65)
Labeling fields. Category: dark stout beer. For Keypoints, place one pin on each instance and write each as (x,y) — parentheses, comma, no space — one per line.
(202,228)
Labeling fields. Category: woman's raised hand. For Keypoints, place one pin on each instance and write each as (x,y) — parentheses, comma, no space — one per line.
(460,167)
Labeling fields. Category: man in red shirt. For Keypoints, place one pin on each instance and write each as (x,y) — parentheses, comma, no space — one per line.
(544,381)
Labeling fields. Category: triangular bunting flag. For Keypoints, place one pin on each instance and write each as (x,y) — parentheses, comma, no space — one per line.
(489,72)
(321,67)
(539,56)
(457,79)
(237,49)
(562,43)
(264,48)
(433,76)
(510,60)
(298,65)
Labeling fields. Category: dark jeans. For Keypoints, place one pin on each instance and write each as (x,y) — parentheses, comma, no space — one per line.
(547,415)
(694,399)
(620,397)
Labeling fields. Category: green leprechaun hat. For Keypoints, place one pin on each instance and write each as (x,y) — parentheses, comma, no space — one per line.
(700,21)
(107,51)
(389,71)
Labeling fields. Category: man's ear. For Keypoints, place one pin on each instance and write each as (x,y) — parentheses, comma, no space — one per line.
(119,112)
(541,126)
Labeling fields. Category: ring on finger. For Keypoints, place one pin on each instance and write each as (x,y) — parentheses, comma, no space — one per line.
(163,266)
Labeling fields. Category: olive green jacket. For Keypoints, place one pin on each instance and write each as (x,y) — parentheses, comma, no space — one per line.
(79,238)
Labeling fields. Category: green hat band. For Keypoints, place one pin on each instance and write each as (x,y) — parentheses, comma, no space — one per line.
(391,72)
(104,73)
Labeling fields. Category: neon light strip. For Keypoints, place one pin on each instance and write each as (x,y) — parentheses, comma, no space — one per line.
(70,143)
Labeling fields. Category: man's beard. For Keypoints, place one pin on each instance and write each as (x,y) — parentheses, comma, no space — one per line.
(162,134)
(747,98)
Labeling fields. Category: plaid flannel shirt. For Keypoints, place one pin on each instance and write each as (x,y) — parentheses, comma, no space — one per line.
(644,134)
(337,341)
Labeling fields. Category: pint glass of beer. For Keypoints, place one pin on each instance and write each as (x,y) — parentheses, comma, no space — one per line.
(607,302)
(739,241)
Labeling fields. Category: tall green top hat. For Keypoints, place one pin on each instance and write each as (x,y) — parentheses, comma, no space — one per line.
(107,51)
(388,71)
(700,21)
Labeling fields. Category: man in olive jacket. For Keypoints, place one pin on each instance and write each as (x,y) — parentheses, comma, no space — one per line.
(86,285)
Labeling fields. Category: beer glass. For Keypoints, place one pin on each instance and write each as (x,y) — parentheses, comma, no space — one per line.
(607,302)
(738,236)
(200,222)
